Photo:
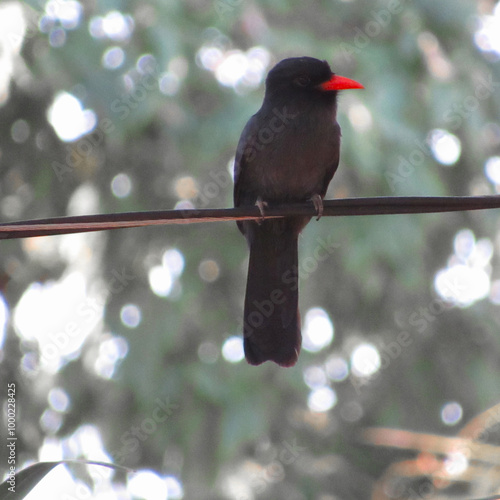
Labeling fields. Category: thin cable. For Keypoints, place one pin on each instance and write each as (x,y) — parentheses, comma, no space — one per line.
(331,208)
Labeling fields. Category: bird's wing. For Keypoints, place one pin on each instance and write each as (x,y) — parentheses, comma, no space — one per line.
(244,154)
(335,147)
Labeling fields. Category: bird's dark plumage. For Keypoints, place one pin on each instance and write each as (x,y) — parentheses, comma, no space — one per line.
(288,152)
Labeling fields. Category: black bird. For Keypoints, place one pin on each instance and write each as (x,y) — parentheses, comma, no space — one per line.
(288,152)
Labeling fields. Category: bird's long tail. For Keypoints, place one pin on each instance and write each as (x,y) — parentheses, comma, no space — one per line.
(271,317)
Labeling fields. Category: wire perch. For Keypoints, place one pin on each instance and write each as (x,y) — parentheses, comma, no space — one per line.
(331,208)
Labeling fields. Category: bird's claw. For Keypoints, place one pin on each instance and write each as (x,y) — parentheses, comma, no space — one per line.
(261,204)
(318,205)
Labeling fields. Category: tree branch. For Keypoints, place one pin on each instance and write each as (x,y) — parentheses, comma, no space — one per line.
(332,208)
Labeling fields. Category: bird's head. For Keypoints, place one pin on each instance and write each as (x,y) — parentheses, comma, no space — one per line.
(306,75)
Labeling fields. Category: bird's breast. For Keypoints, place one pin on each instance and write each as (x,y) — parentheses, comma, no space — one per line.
(290,162)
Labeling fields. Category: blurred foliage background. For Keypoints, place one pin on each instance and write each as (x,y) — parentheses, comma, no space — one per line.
(125,346)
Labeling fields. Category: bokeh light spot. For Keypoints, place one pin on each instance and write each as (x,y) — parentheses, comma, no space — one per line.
(12,32)
(487,37)
(163,278)
(20,131)
(360,117)
(175,491)
(186,188)
(318,330)
(121,185)
(210,57)
(315,377)
(68,12)
(148,485)
(117,26)
(173,259)
(365,360)
(209,270)
(456,463)
(322,399)
(160,281)
(466,279)
(69,119)
(462,285)
(113,58)
(131,315)
(351,411)
(464,243)
(59,316)
(494,293)
(169,84)
(111,351)
(208,352)
(57,37)
(337,368)
(234,68)
(51,421)
(451,413)
(4,316)
(11,206)
(58,399)
(232,349)
(492,170)
(446,147)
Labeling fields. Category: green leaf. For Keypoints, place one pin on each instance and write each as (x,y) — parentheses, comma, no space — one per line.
(29,477)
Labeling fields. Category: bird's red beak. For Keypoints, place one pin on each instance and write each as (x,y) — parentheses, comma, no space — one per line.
(337,82)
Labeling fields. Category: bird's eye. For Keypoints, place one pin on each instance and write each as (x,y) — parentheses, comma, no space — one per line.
(302,81)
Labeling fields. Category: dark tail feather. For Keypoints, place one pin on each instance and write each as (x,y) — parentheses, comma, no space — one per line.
(271,317)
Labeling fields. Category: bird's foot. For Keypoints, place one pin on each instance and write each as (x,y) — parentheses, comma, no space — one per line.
(261,204)
(318,205)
